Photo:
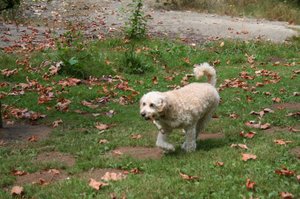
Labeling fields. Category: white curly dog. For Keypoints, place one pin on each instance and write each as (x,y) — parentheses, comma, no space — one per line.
(189,108)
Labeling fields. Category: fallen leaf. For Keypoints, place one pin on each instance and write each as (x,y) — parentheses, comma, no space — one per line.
(286,195)
(102,127)
(250,185)
(222,44)
(117,152)
(276,99)
(242,146)
(54,171)
(188,177)
(7,72)
(89,104)
(234,116)
(19,173)
(260,113)
(103,141)
(250,134)
(56,123)
(298,178)
(265,126)
(17,190)
(155,80)
(108,176)
(247,156)
(220,164)
(282,142)
(187,60)
(136,136)
(293,114)
(32,138)
(291,129)
(97,184)
(284,172)
(63,105)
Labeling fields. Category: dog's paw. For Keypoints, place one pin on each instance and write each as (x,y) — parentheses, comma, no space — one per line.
(166,146)
(189,146)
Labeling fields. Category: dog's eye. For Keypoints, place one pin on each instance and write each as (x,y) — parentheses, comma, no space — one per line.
(144,104)
(151,105)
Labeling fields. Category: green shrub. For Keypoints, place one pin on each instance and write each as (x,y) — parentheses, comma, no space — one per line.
(136,27)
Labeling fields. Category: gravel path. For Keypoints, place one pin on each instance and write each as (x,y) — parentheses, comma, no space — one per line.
(103,17)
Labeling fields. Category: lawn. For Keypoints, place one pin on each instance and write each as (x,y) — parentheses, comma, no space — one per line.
(94,88)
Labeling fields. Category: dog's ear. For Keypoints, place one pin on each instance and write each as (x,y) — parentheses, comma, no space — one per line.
(162,104)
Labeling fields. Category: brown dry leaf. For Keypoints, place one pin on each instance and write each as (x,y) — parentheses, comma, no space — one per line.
(250,59)
(108,176)
(32,138)
(259,84)
(155,80)
(220,164)
(286,195)
(234,115)
(291,129)
(282,142)
(117,152)
(89,104)
(250,134)
(19,173)
(250,185)
(7,72)
(265,126)
(69,82)
(253,124)
(17,190)
(103,141)
(2,142)
(187,60)
(188,177)
(276,99)
(298,178)
(56,123)
(242,146)
(293,114)
(284,172)
(97,184)
(169,78)
(63,105)
(247,156)
(260,113)
(101,126)
(222,44)
(136,136)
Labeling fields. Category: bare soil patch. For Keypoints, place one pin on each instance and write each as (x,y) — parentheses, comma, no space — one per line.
(207,136)
(289,106)
(41,177)
(97,174)
(296,151)
(140,153)
(24,131)
(56,157)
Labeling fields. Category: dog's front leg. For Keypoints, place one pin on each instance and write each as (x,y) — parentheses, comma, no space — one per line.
(162,137)
(190,139)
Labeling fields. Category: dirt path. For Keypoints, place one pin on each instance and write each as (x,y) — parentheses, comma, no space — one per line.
(102,17)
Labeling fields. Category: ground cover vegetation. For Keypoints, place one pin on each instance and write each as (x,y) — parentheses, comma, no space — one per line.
(90,95)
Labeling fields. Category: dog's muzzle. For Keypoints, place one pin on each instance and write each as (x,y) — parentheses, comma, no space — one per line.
(144,116)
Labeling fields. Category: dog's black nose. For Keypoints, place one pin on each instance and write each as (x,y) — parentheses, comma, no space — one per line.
(143,114)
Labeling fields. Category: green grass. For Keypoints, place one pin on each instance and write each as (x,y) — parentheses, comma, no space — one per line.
(159,178)
(278,10)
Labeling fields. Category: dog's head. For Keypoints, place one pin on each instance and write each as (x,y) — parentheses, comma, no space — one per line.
(152,105)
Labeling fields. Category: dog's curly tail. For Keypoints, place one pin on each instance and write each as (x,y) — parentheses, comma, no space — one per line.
(205,69)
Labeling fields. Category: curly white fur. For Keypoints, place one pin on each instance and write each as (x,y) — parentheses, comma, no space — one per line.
(189,108)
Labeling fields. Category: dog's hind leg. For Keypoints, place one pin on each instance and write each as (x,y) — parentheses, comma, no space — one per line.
(190,139)
(204,121)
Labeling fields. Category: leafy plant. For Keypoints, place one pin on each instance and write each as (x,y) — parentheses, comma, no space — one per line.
(136,27)
(133,63)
